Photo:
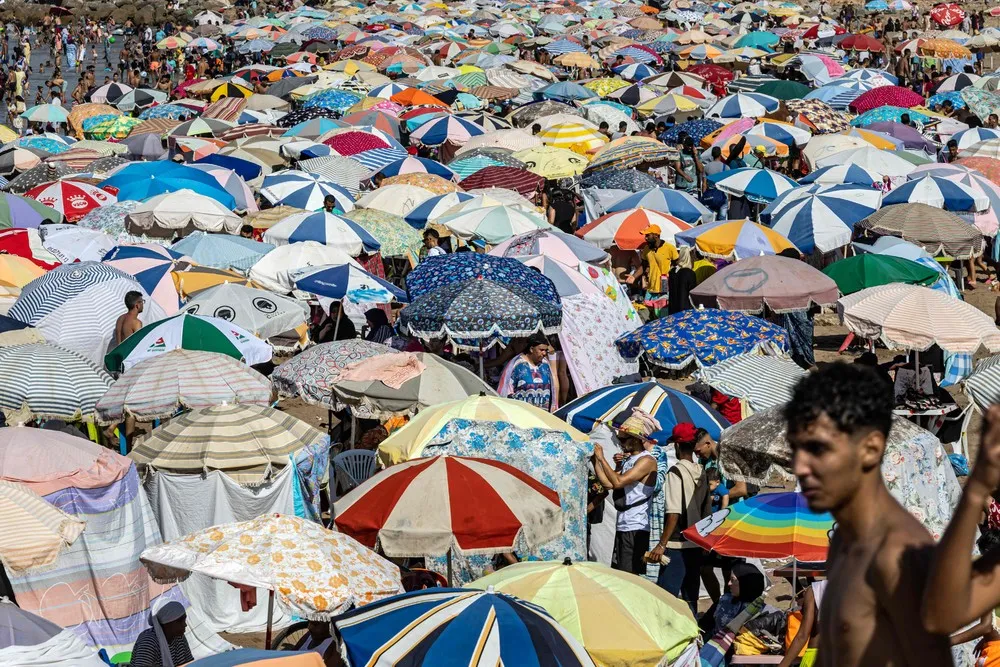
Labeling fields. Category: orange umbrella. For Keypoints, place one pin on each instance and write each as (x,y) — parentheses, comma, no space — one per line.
(413,97)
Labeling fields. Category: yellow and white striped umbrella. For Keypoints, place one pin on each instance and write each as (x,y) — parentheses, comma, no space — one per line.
(32,532)
(572,136)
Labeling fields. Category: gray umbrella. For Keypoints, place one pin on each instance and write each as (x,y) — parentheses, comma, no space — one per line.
(530,113)
(22,628)
(145,146)
(43,173)
(439,382)
(283,87)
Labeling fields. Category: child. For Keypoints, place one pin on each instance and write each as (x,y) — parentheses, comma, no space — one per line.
(720,494)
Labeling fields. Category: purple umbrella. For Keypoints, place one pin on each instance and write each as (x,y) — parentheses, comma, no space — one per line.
(779,283)
(912,140)
(17,211)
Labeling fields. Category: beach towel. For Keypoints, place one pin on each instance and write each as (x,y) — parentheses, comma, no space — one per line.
(713,653)
(391,369)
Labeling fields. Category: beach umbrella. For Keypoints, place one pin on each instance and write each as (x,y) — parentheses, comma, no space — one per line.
(188,332)
(311,375)
(182,212)
(523,512)
(27,243)
(151,264)
(870,158)
(967,138)
(821,216)
(158,387)
(551,162)
(734,239)
(446,128)
(322,227)
(777,284)
(276,269)
(437,272)
(705,337)
(310,571)
(16,211)
(304,190)
(983,384)
(763,382)
(635,71)
(520,180)
(757,185)
(222,251)
(772,525)
(434,207)
(514,632)
(612,405)
(631,152)
(886,96)
(624,228)
(45,113)
(396,238)
(914,317)
(743,105)
(141,180)
(262,313)
(572,134)
(938,192)
(562,247)
(854,274)
(397,199)
(347,281)
(430,182)
(493,224)
(786,133)
(34,534)
(15,273)
(417,165)
(947,14)
(675,203)
(47,381)
(635,95)
(73,199)
(844,174)
(76,306)
(934,230)
(70,243)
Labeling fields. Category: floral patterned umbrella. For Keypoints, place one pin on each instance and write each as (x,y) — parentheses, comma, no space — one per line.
(817,116)
(311,375)
(397,238)
(705,337)
(335,100)
(888,114)
(116,127)
(980,102)
(312,572)
(436,272)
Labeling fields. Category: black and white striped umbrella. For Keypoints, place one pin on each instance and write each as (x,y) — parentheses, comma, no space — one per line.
(763,382)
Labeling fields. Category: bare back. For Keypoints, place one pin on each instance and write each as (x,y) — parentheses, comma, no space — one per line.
(870,614)
(126,325)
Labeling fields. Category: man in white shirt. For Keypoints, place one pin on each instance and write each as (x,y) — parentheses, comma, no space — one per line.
(431,241)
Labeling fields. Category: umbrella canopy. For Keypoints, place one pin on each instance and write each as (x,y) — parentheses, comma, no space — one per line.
(704,337)
(244,441)
(938,192)
(311,375)
(436,272)
(759,185)
(734,239)
(438,382)
(934,230)
(493,224)
(821,217)
(443,625)
(313,572)
(483,507)
(624,228)
(854,274)
(18,211)
(557,245)
(222,251)
(180,213)
(347,281)
(618,617)
(158,387)
(188,332)
(744,105)
(772,525)
(444,129)
(262,313)
(612,405)
(779,284)
(142,180)
(304,190)
(763,382)
(327,228)
(74,199)
(50,382)
(913,317)
(151,265)
(33,534)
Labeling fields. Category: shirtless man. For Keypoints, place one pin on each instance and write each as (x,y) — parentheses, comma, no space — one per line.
(838,422)
(129,323)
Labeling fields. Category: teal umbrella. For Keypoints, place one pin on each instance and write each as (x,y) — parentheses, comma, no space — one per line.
(756,40)
(870,270)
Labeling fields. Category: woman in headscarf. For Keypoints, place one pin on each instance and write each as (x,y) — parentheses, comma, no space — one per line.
(379,329)
(529,378)
(164,644)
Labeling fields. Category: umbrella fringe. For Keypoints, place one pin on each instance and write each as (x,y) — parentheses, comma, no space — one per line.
(493,333)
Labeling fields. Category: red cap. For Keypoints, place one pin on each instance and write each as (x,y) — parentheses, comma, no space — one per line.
(683,432)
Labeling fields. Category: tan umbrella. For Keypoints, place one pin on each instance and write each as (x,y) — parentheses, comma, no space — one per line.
(934,229)
(32,532)
(577,59)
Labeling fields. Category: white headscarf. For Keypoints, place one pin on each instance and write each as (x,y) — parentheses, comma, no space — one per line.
(168,613)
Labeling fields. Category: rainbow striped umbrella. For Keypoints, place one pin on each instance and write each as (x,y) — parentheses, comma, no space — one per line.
(771,525)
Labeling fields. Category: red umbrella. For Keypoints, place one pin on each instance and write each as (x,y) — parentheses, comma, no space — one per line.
(895,96)
(23,243)
(74,199)
(862,43)
(948,14)
(813,32)
(352,143)
(713,74)
(522,181)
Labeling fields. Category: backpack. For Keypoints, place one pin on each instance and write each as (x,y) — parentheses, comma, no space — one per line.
(703,511)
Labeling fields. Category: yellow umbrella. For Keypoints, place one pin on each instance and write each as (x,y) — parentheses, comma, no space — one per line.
(877,140)
(32,532)
(408,442)
(551,162)
(194,279)
(620,618)
(468,69)
(351,67)
(577,59)
(665,102)
(7,134)
(570,135)
(15,273)
(606,86)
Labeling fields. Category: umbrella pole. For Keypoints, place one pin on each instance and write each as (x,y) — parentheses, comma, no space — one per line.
(340,313)
(448,559)
(482,374)
(270,618)
(795,577)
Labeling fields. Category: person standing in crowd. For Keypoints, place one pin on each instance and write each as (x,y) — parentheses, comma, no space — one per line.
(432,244)
(129,322)
(528,377)
(838,422)
(657,256)
(633,484)
(163,644)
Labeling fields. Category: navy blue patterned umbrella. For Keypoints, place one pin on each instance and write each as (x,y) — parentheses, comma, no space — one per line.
(696,129)
(626,179)
(436,272)
(477,313)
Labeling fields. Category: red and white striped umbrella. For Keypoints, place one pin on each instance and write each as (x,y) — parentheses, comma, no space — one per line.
(431,506)
(74,199)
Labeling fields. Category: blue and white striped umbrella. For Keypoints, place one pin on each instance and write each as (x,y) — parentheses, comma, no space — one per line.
(418,165)
(303,189)
(457,626)
(842,174)
(640,55)
(743,105)
(939,193)
(839,95)
(758,185)
(347,281)
(446,128)
(665,200)
(435,207)
(613,405)
(376,158)
(866,73)
(821,217)
(325,228)
(561,46)
(635,71)
(974,135)
(387,90)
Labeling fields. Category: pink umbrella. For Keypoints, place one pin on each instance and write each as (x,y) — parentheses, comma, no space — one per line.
(562,247)
(736,127)
(882,96)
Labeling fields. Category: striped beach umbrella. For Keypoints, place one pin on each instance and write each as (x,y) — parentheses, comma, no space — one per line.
(967,138)
(635,71)
(325,228)
(74,199)
(574,136)
(821,216)
(188,332)
(758,185)
(446,128)
(435,207)
(842,174)
(676,203)
(611,406)
(51,382)
(937,192)
(763,382)
(744,105)
(734,239)
(347,282)
(477,627)
(417,165)
(624,228)
(304,190)
(151,264)
(493,224)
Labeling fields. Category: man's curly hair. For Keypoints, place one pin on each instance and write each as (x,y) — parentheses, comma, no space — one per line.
(854,397)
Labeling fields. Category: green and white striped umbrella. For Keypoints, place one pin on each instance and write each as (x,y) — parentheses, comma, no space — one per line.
(47,381)
(188,332)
